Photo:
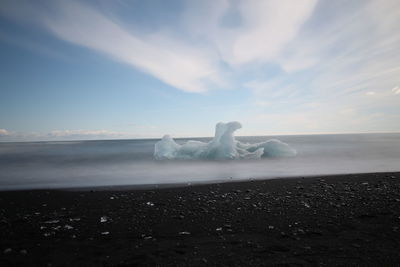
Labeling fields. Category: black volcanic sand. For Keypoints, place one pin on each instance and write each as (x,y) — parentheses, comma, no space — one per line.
(350,220)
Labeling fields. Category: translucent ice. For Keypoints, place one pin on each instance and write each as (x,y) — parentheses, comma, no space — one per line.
(222,146)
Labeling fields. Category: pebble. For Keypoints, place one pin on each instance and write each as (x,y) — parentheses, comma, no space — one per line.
(7,250)
(103,219)
(68,227)
(52,221)
(184,233)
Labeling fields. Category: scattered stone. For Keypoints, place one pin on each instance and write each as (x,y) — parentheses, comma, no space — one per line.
(52,221)
(68,227)
(47,234)
(103,219)
(7,250)
(184,233)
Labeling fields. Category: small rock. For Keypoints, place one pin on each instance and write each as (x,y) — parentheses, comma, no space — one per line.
(184,233)
(68,227)
(47,234)
(7,250)
(103,219)
(52,221)
(151,204)
(23,251)
(105,233)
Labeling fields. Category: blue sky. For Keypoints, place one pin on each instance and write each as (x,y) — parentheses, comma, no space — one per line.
(138,69)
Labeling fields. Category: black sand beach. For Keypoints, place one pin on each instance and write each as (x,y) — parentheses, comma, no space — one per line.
(349,220)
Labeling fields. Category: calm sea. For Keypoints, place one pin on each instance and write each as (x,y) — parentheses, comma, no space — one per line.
(130,162)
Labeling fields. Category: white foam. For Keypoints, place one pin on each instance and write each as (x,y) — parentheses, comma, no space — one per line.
(223,146)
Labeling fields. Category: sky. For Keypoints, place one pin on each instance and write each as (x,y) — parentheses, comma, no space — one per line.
(141,69)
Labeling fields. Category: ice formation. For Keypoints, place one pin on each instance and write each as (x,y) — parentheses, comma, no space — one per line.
(222,146)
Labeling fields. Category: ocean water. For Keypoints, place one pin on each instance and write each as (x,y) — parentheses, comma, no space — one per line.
(30,165)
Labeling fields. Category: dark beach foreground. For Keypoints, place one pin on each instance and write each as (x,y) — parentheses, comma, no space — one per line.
(349,220)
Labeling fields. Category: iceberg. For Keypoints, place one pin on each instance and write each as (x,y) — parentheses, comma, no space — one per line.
(222,146)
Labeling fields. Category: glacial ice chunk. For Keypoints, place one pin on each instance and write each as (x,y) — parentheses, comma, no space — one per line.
(222,146)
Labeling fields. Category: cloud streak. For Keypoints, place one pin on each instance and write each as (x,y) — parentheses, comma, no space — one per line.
(57,135)
(318,65)
(192,66)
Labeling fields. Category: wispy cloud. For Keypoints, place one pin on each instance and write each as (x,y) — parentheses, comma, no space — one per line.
(182,62)
(4,132)
(347,60)
(308,64)
(63,135)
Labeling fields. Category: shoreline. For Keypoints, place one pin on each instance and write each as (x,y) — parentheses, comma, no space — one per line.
(347,220)
(135,187)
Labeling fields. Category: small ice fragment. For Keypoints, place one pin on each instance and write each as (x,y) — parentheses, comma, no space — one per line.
(103,219)
(68,227)
(151,204)
(74,219)
(222,146)
(184,233)
(147,237)
(306,205)
(218,229)
(366,183)
(105,233)
(23,251)
(111,198)
(271,227)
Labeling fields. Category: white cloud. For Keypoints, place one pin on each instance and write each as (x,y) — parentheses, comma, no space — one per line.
(192,65)
(396,90)
(269,26)
(170,60)
(4,132)
(84,133)
(263,30)
(64,135)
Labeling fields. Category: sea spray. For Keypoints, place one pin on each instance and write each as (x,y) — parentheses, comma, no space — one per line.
(222,146)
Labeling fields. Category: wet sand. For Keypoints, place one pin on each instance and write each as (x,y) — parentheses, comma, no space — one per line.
(347,220)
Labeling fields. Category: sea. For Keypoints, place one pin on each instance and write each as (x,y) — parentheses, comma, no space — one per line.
(77,164)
